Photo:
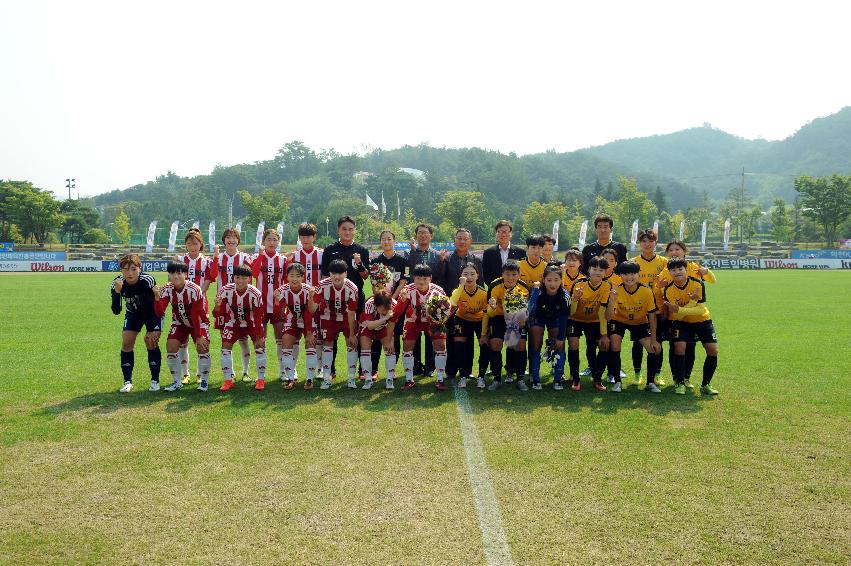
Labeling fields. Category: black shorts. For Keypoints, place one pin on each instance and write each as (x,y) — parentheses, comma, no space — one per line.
(636,331)
(466,328)
(134,321)
(575,329)
(663,329)
(702,332)
(496,328)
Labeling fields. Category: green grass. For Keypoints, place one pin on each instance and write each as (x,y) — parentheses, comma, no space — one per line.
(759,474)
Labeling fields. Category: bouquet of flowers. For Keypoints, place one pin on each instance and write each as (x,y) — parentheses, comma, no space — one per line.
(380,274)
(514,304)
(437,309)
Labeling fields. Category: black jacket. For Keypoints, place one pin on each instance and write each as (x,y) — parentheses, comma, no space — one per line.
(492,261)
(454,266)
(594,249)
(338,251)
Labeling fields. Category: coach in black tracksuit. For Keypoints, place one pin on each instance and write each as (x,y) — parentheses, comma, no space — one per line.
(603,226)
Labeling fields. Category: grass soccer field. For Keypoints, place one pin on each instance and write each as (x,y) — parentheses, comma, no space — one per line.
(759,474)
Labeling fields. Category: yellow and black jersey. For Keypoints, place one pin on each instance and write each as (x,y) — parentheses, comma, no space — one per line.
(692,269)
(633,307)
(498,291)
(693,291)
(567,281)
(592,298)
(470,307)
(529,273)
(650,268)
(614,279)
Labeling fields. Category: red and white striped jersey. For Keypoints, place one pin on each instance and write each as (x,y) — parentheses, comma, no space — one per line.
(295,304)
(370,313)
(188,307)
(225,264)
(200,268)
(416,304)
(244,310)
(312,262)
(270,272)
(333,303)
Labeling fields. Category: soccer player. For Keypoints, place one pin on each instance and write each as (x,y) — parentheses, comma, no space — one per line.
(139,291)
(377,322)
(413,300)
(589,300)
(295,307)
(470,303)
(398,266)
(223,269)
(632,307)
(651,266)
(239,305)
(336,298)
(532,266)
(572,269)
(495,333)
(611,274)
(685,300)
(548,251)
(614,279)
(269,269)
(549,308)
(310,256)
(200,272)
(188,318)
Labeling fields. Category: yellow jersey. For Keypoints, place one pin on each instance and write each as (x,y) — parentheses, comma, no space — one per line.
(567,281)
(614,279)
(498,291)
(682,296)
(588,304)
(650,268)
(470,307)
(633,307)
(529,273)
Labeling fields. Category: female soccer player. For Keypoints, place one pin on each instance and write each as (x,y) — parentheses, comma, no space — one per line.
(199,271)
(470,303)
(295,308)
(548,309)
(239,306)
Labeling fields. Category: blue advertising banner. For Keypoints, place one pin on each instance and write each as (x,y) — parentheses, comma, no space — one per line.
(33,256)
(821,254)
(146,265)
(7,247)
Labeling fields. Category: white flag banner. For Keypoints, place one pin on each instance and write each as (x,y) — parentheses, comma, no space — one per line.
(149,241)
(703,237)
(238,229)
(555,234)
(682,229)
(172,236)
(633,238)
(371,203)
(211,235)
(196,224)
(583,231)
(398,207)
(298,245)
(383,204)
(656,228)
(258,241)
(726,234)
(280,235)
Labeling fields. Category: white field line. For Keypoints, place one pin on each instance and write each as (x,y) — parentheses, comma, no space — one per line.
(495,543)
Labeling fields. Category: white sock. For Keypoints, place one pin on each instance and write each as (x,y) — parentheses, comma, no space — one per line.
(294,374)
(310,358)
(204,363)
(440,364)
(261,362)
(173,363)
(366,363)
(408,365)
(352,359)
(390,364)
(246,355)
(282,369)
(287,365)
(227,364)
(183,354)
(327,357)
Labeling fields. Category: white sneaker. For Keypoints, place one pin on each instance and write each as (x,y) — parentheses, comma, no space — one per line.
(558,386)
(388,383)
(202,386)
(586,372)
(536,386)
(610,379)
(155,386)
(509,378)
(351,383)
(480,383)
(652,388)
(174,386)
(616,387)
(623,374)
(368,383)
(461,383)
(127,387)
(326,384)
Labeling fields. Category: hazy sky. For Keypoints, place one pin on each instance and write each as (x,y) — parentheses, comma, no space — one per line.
(115,93)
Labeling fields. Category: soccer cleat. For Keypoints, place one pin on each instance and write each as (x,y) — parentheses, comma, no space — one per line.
(289,384)
(127,387)
(652,388)
(461,383)
(558,386)
(509,378)
(586,372)
(388,383)
(440,386)
(688,384)
(610,379)
(577,386)
(680,389)
(598,385)
(202,386)
(351,383)
(622,374)
(521,385)
(155,386)
(174,386)
(659,381)
(226,385)
(616,387)
(480,383)
(246,378)
(408,385)
(198,378)
(708,390)
(495,384)
(185,381)
(638,377)
(260,385)
(367,384)
(326,384)
(362,377)
(308,385)
(536,386)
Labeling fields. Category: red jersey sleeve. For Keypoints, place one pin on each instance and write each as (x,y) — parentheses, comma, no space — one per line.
(199,318)
(161,303)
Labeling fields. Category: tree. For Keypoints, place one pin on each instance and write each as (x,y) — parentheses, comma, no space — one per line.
(630,204)
(121,227)
(295,160)
(540,217)
(36,212)
(659,199)
(78,218)
(780,222)
(465,209)
(826,200)
(269,205)
(95,236)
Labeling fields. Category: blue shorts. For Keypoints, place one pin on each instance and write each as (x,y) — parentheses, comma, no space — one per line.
(134,321)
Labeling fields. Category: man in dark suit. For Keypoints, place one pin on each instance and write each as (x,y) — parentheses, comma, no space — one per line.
(494,257)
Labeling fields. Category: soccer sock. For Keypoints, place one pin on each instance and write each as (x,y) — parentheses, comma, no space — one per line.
(559,369)
(183,358)
(459,359)
(590,353)
(174,364)
(408,365)
(226,362)
(352,360)
(366,362)
(573,363)
(691,348)
(282,366)
(709,365)
(374,358)
(287,363)
(204,364)
(637,355)
(295,358)
(615,365)
(520,363)
(652,360)
(679,367)
(600,365)
(246,355)
(261,363)
(310,359)
(496,363)
(535,365)
(484,359)
(390,364)
(327,360)
(510,360)
(127,365)
(440,364)
(155,359)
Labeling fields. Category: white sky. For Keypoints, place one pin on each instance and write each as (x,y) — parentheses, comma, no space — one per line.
(115,93)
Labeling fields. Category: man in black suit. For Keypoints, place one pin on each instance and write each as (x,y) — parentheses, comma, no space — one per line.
(494,257)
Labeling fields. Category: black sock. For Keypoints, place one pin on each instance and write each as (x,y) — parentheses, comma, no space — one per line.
(678,360)
(510,361)
(376,355)
(690,352)
(155,359)
(600,365)
(637,354)
(651,367)
(573,364)
(520,360)
(127,365)
(496,364)
(615,365)
(590,353)
(709,365)
(483,358)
